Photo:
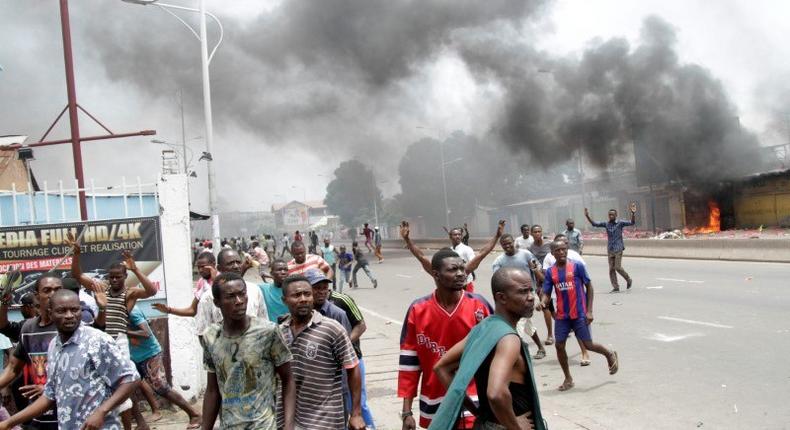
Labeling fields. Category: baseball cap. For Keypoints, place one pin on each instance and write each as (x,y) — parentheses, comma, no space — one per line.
(315,276)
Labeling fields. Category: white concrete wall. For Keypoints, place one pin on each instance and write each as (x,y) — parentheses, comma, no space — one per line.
(185,351)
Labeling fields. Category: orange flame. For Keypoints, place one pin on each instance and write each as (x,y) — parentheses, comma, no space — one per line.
(714,221)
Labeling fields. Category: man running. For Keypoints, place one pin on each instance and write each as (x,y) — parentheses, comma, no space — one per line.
(576,258)
(523,260)
(302,261)
(345,261)
(615,246)
(244,357)
(574,235)
(433,324)
(88,376)
(322,352)
(455,237)
(362,263)
(574,293)
(368,233)
(146,353)
(495,357)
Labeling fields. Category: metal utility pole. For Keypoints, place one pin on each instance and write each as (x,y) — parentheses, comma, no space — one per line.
(212,192)
(74,124)
(444,187)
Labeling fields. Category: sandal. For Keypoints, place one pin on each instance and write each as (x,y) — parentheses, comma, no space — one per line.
(615,365)
(585,362)
(549,341)
(540,354)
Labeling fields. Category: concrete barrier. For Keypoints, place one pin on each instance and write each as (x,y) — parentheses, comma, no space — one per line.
(769,250)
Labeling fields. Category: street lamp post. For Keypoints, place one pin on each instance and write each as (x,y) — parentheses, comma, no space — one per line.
(444,187)
(205,60)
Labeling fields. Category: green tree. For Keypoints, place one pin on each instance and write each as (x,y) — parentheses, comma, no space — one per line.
(352,192)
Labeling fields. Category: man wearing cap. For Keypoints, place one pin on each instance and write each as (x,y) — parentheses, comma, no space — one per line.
(321,302)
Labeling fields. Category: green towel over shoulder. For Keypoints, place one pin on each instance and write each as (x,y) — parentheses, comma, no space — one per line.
(482,340)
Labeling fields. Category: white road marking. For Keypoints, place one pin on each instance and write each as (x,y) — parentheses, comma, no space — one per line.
(709,324)
(666,338)
(680,280)
(378,315)
(403,276)
(658,287)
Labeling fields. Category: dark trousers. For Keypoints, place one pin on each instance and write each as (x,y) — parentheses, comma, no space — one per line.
(615,267)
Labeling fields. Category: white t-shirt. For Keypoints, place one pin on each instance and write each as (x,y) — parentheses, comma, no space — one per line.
(522,243)
(467,253)
(572,255)
(208,313)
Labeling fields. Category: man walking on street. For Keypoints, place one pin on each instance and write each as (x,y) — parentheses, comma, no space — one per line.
(615,246)
(321,352)
(273,291)
(329,255)
(358,328)
(523,260)
(228,261)
(30,356)
(377,244)
(433,324)
(368,233)
(574,235)
(540,249)
(88,376)
(302,261)
(574,291)
(244,356)
(525,240)
(494,356)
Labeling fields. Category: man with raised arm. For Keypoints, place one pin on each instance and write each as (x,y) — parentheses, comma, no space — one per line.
(615,245)
(470,265)
(433,324)
(494,356)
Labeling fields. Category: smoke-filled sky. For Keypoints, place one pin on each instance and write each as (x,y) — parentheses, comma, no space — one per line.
(299,86)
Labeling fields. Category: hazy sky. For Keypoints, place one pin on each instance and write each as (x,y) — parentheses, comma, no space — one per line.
(317,113)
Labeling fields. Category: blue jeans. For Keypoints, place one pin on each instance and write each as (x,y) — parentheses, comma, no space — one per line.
(367,414)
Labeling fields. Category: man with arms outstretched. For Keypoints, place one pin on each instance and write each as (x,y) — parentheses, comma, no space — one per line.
(471,261)
(615,245)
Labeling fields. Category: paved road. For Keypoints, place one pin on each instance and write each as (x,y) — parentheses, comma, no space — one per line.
(702,345)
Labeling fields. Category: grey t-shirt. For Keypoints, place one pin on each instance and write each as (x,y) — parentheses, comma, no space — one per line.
(540,251)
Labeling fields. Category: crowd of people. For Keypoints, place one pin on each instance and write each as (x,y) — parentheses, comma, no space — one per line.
(286,353)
